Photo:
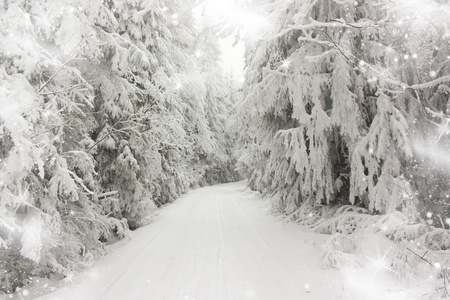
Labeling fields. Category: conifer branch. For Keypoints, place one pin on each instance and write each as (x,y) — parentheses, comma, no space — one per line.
(443,273)
(50,129)
(98,142)
(53,76)
(346,24)
(61,67)
(421,257)
(430,84)
(64,90)
(419,86)
(276,72)
(336,45)
(317,24)
(106,135)
(80,182)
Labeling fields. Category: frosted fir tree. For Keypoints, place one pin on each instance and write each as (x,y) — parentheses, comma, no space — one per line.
(48,180)
(125,159)
(220,91)
(105,115)
(145,118)
(337,91)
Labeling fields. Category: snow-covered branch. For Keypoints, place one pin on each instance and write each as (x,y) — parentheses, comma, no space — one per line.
(65,89)
(103,196)
(313,24)
(265,69)
(62,66)
(430,84)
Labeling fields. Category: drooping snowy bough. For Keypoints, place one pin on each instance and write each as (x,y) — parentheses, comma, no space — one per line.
(100,96)
(346,112)
(348,104)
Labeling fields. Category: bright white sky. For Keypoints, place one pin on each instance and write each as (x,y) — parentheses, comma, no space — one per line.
(233,57)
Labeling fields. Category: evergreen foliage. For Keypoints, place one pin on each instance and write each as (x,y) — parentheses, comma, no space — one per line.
(112,108)
(98,97)
(342,97)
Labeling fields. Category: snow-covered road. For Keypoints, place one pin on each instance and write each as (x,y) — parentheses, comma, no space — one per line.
(214,243)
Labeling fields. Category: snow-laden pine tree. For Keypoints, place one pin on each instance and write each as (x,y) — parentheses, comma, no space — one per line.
(219,110)
(127,159)
(48,181)
(97,97)
(337,93)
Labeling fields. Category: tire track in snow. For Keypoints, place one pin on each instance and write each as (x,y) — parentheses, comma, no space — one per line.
(247,217)
(190,261)
(261,254)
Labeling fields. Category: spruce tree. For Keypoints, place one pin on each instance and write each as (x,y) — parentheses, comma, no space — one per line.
(338,96)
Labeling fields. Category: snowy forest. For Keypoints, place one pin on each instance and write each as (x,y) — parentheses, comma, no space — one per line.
(111,109)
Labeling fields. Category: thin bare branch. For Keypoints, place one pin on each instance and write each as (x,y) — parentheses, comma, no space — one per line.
(60,68)
(64,90)
(50,129)
(421,257)
(336,45)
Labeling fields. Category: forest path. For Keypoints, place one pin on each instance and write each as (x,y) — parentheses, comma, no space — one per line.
(216,242)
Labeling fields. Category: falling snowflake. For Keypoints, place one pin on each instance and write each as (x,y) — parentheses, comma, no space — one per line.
(69,278)
(285,64)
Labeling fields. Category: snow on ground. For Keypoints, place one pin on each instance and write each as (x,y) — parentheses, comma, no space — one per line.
(220,242)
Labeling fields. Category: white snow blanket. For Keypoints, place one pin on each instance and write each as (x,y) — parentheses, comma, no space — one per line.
(219,242)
